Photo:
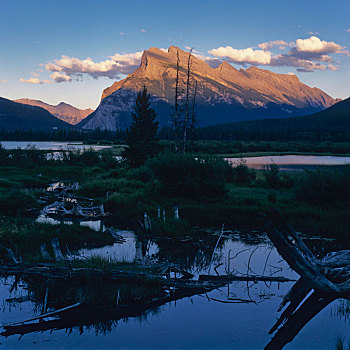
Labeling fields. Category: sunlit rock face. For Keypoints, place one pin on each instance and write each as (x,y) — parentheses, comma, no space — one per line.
(223,94)
(63,111)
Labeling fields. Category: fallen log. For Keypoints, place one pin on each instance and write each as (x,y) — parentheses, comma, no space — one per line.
(327,279)
(229,278)
(49,314)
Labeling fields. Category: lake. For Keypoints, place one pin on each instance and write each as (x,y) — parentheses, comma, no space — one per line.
(292,162)
(206,321)
(49,145)
(285,163)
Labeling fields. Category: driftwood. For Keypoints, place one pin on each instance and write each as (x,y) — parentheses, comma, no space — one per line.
(49,314)
(55,244)
(82,315)
(253,278)
(159,273)
(326,280)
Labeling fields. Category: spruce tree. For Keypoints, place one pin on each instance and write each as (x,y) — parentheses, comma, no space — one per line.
(141,136)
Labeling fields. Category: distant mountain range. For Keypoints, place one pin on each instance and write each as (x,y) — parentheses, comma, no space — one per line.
(63,111)
(15,115)
(223,95)
(333,119)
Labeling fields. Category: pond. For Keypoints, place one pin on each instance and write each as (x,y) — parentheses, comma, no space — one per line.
(49,145)
(236,316)
(292,162)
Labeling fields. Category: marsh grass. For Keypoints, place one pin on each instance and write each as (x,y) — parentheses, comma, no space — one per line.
(24,237)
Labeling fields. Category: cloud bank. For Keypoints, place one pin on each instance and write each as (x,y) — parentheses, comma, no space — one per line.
(306,55)
(34,80)
(248,55)
(67,67)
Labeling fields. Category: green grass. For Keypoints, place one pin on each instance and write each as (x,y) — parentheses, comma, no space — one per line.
(24,237)
(207,194)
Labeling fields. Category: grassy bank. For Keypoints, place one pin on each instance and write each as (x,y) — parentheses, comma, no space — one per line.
(24,237)
(207,193)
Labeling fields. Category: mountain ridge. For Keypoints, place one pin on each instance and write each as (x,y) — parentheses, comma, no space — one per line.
(333,119)
(224,94)
(18,116)
(62,110)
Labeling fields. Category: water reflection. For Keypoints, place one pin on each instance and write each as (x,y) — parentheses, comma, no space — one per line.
(216,316)
(292,162)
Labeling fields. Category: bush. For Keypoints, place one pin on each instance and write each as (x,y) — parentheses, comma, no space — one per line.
(184,176)
(98,188)
(272,176)
(16,202)
(128,206)
(241,173)
(24,236)
(324,186)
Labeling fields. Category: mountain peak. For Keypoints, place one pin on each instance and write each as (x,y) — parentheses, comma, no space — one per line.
(236,93)
(63,111)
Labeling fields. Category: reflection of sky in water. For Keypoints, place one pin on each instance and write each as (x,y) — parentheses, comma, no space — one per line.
(49,145)
(128,251)
(291,161)
(192,322)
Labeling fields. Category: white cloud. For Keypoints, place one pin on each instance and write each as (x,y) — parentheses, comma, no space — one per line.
(242,56)
(332,67)
(59,77)
(35,81)
(348,30)
(122,33)
(143,30)
(315,45)
(306,55)
(270,44)
(3,81)
(302,65)
(112,68)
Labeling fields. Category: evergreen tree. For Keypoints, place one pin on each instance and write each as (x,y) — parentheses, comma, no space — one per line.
(141,136)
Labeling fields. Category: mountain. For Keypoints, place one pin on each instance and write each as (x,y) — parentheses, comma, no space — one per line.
(224,94)
(333,119)
(63,111)
(15,115)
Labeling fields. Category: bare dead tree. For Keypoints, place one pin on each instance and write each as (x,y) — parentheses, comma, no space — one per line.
(176,101)
(194,115)
(187,102)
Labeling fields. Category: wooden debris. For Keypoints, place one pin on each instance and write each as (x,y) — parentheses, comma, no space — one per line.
(326,280)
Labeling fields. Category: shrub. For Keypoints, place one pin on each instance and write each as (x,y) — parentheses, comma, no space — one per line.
(324,186)
(16,201)
(184,176)
(127,206)
(98,188)
(241,173)
(272,176)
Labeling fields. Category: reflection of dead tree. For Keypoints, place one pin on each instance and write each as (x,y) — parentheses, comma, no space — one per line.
(327,279)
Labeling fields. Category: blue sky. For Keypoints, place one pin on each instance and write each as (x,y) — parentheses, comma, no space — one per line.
(308,38)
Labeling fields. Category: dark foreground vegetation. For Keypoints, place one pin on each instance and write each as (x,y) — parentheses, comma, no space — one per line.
(208,192)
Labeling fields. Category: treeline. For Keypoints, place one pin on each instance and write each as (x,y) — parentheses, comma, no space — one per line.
(210,133)
(73,134)
(233,132)
(241,147)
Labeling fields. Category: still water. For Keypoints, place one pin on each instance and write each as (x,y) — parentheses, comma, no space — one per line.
(48,145)
(205,321)
(292,162)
